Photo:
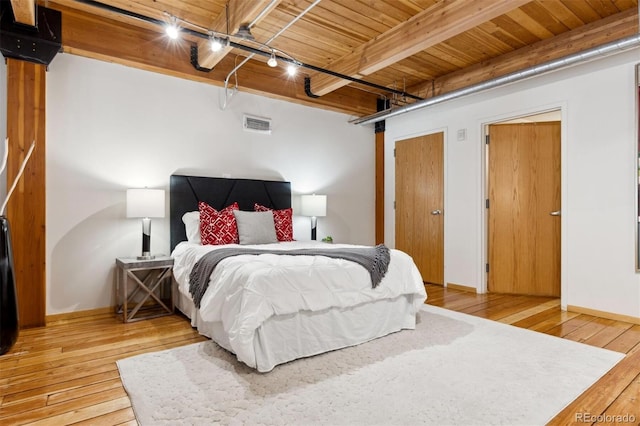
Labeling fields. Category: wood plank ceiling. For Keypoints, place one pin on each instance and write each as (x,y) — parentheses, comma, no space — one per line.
(417,47)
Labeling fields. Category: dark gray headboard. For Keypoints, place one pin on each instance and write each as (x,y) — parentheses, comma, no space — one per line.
(186,191)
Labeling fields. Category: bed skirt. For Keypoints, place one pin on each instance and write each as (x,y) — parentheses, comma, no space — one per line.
(283,338)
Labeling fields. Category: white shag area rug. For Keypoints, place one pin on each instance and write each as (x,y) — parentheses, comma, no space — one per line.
(454,369)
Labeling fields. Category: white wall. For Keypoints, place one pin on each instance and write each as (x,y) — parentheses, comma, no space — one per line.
(598,177)
(110,128)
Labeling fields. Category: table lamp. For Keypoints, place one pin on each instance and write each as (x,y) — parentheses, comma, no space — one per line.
(314,206)
(145,203)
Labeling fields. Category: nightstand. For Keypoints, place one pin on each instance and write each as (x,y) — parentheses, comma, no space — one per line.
(143,288)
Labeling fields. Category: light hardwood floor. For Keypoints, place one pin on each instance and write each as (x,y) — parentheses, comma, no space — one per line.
(65,373)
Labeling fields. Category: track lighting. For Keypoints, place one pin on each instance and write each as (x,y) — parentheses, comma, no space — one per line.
(172,29)
(216,44)
(272,62)
(219,40)
(204,33)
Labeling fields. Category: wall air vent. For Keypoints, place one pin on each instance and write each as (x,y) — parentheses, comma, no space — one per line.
(252,123)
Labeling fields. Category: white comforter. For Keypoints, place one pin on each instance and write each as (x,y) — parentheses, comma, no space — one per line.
(245,290)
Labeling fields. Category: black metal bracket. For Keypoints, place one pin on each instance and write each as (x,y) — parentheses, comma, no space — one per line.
(194,59)
(307,88)
(381,105)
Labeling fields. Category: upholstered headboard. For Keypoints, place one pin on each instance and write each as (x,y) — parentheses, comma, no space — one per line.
(186,191)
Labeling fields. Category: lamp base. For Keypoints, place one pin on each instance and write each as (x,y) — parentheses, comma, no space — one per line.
(146,240)
(314,222)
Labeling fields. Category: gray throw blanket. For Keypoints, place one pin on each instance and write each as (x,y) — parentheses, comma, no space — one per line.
(374,259)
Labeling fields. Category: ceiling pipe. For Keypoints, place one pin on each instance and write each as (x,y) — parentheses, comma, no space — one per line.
(556,64)
(261,14)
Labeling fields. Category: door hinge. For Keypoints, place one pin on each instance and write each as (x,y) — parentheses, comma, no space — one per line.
(486,267)
(394,205)
(486,139)
(394,153)
(486,203)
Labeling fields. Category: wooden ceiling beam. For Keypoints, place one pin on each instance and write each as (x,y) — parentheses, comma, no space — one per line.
(24,11)
(94,36)
(612,28)
(440,22)
(240,12)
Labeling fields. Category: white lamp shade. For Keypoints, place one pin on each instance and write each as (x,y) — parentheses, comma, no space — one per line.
(145,202)
(313,205)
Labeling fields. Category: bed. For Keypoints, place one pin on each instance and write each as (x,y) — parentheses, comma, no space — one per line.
(269,309)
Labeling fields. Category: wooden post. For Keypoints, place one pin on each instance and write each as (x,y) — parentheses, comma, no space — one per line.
(380,127)
(26,208)
(379,188)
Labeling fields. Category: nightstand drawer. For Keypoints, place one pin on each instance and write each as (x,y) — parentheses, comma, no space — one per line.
(143,288)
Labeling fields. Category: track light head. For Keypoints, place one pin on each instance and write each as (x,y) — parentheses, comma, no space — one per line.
(172,30)
(272,62)
(292,70)
(216,44)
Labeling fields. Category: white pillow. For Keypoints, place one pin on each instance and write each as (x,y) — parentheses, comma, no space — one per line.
(191,222)
(255,227)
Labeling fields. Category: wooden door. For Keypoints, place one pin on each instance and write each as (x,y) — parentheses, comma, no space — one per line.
(524,208)
(420,203)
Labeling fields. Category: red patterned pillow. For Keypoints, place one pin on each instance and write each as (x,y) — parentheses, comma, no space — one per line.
(218,227)
(283,220)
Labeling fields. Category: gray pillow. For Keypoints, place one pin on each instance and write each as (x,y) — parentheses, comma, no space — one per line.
(256,227)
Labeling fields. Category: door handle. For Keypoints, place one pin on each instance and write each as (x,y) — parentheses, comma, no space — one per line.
(556,213)
(436,212)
